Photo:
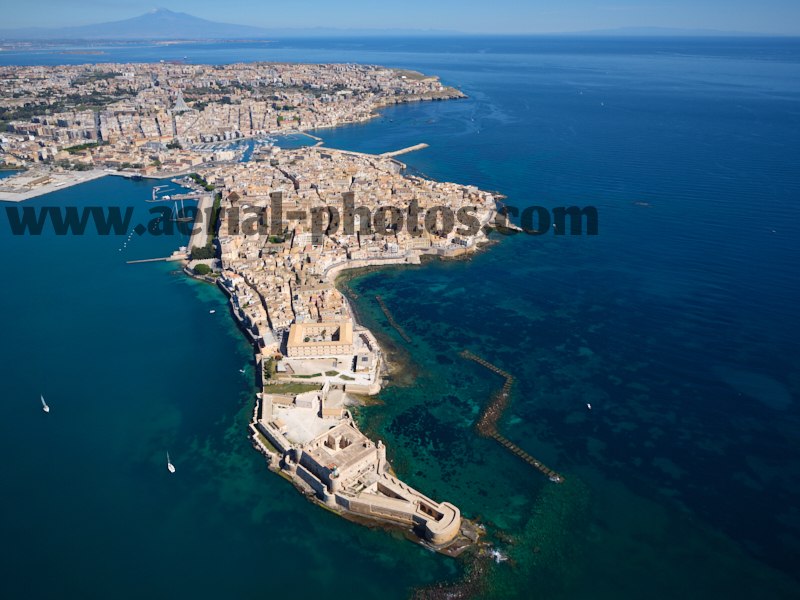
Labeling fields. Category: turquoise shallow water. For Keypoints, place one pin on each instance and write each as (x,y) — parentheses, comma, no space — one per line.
(678,323)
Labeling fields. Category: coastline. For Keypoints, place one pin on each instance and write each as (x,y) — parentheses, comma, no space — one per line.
(390,368)
(398,368)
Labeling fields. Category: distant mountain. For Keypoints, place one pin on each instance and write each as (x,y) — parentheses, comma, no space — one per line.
(159,24)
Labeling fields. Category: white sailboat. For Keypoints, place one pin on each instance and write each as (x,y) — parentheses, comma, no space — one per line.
(45,408)
(170,466)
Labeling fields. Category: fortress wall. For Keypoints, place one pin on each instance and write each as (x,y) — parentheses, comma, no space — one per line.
(311,480)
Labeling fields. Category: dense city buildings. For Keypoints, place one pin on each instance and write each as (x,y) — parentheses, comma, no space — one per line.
(152,118)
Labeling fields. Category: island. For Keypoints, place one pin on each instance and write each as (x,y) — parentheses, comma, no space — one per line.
(312,354)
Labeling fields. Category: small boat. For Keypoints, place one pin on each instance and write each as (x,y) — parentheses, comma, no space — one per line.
(170,466)
(589,406)
(241,370)
(212,311)
(45,408)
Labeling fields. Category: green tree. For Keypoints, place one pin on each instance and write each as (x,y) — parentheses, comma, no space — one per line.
(207,251)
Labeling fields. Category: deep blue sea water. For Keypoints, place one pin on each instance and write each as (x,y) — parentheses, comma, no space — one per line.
(678,323)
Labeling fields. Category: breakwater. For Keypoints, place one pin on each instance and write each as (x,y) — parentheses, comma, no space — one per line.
(391,320)
(404,150)
(487,422)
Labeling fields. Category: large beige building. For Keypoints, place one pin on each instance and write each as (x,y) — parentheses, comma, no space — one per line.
(317,340)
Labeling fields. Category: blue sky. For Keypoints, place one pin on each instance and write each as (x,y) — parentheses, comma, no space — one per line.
(495,16)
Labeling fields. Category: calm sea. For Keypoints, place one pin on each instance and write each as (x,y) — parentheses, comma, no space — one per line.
(678,323)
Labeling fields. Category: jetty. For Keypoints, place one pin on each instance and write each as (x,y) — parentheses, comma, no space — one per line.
(174,257)
(306,134)
(404,150)
(147,260)
(487,422)
(391,320)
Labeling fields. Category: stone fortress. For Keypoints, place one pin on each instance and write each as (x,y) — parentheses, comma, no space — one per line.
(316,443)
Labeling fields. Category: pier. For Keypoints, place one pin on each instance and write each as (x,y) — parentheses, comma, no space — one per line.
(147,260)
(174,257)
(404,150)
(392,322)
(487,422)
(306,134)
